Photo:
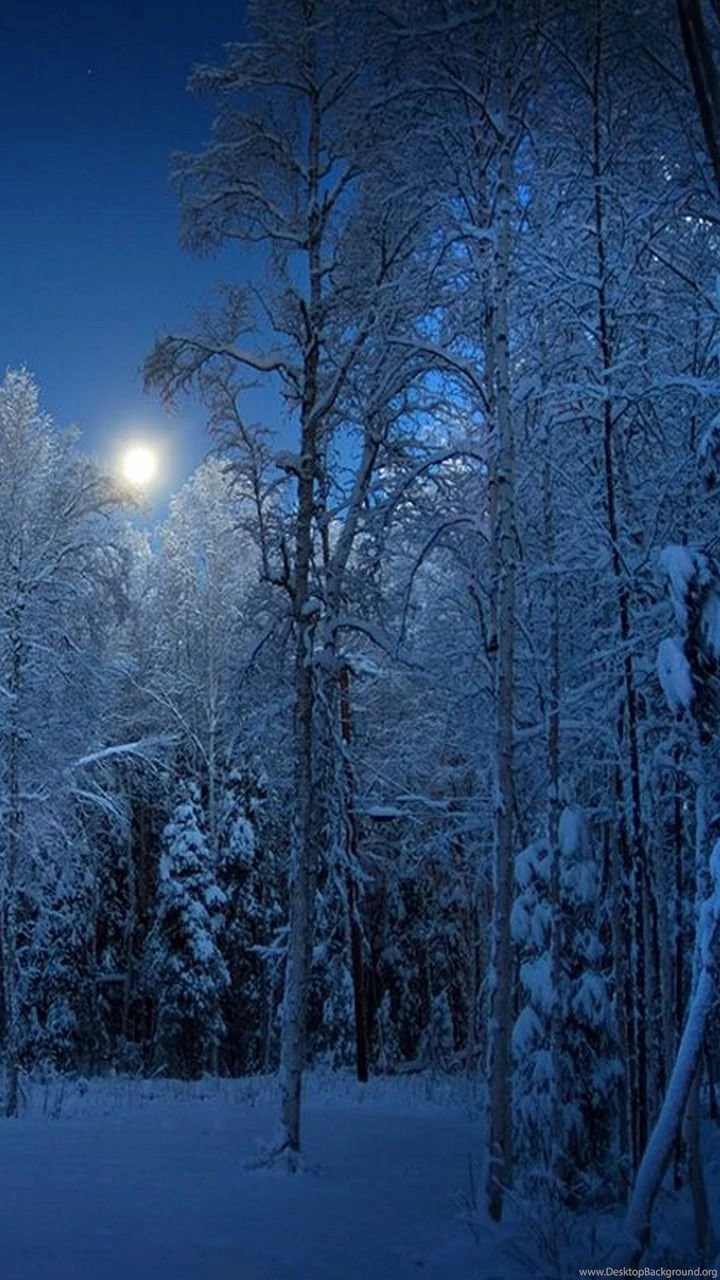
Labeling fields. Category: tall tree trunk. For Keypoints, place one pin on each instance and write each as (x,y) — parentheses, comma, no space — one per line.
(303,852)
(703,887)
(636,1228)
(302,875)
(9,915)
(357,964)
(701,1207)
(621,980)
(500,1163)
(684,1078)
(553,775)
(633,848)
(702,64)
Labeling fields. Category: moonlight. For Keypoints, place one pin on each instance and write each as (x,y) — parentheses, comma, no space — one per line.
(139,464)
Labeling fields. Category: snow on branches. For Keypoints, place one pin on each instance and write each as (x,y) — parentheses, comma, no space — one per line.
(564,1032)
(688,668)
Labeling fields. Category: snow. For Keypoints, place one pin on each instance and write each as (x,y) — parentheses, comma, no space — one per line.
(674,675)
(151,1179)
(680,565)
(380,811)
(580,881)
(104,1180)
(287,461)
(536,977)
(589,1002)
(541,925)
(530,863)
(361,665)
(715,866)
(571,832)
(527,1032)
(711,622)
(667,1126)
(694,572)
(520,922)
(709,441)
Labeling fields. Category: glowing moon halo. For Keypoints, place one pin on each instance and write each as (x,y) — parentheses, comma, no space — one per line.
(139,464)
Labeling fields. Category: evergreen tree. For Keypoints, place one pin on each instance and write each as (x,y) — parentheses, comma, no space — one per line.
(185,970)
(566,1064)
(64,1030)
(251,878)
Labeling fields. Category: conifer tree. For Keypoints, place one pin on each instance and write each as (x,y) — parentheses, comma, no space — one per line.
(185,969)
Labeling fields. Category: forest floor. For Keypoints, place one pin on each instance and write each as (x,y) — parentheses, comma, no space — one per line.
(158,1180)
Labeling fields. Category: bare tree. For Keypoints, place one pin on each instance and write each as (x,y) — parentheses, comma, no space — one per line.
(298,168)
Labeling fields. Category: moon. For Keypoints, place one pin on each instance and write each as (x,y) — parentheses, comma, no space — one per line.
(139,465)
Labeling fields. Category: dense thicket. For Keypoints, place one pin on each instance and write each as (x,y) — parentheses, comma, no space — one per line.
(372,763)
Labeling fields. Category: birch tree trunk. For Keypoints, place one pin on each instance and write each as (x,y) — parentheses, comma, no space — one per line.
(355,931)
(636,1228)
(293,190)
(703,887)
(500,1164)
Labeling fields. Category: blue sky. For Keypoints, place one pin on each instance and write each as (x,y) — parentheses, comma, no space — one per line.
(92,104)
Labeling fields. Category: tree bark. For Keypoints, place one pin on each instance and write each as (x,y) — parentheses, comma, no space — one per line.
(633,848)
(357,964)
(9,914)
(703,72)
(553,775)
(701,1207)
(303,854)
(636,1228)
(500,1163)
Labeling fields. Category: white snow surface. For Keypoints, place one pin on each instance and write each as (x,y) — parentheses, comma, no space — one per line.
(121,1179)
(532,863)
(683,566)
(520,921)
(674,675)
(571,832)
(536,977)
(527,1033)
(680,565)
(154,1180)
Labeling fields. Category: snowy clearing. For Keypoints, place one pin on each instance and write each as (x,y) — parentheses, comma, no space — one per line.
(116,1178)
(158,1180)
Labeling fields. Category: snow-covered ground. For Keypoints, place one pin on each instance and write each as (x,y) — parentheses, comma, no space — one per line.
(153,1180)
(122,1179)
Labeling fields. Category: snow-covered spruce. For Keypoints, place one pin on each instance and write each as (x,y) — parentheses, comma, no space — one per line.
(690,675)
(184,967)
(566,1065)
(252,917)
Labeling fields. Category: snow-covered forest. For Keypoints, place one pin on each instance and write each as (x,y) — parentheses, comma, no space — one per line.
(394,748)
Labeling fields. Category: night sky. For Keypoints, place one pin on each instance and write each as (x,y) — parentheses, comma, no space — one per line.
(93,102)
